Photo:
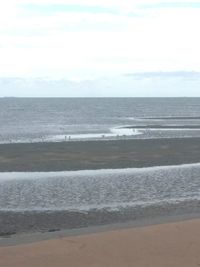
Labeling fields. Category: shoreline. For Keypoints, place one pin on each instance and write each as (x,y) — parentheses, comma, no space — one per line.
(94,155)
(32,222)
(174,244)
(38,236)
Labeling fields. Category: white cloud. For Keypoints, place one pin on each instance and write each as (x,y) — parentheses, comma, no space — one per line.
(82,45)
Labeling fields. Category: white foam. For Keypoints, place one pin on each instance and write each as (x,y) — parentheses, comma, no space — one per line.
(110,207)
(5,176)
(114,133)
(125,131)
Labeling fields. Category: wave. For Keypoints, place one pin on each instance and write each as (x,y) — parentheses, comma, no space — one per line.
(99,189)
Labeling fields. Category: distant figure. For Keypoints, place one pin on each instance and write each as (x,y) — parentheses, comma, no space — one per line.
(103,135)
(69,137)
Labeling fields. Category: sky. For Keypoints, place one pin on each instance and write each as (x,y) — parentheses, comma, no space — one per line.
(99,48)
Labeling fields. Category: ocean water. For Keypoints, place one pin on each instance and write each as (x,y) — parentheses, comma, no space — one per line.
(48,120)
(99,189)
(68,119)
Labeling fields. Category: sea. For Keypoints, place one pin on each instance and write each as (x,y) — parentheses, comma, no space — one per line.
(25,120)
(161,189)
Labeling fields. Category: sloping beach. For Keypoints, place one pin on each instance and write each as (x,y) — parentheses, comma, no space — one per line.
(175,245)
(101,193)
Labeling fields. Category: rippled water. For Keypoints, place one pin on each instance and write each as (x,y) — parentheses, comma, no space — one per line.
(32,120)
(56,119)
(100,189)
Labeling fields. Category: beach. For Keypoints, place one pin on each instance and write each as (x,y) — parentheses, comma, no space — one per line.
(172,244)
(99,133)
(118,188)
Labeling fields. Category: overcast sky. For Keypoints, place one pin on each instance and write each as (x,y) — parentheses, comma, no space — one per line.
(99,48)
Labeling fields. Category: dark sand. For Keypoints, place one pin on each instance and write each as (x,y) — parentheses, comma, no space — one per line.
(98,154)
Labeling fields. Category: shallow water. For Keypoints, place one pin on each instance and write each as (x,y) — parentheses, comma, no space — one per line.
(59,119)
(99,189)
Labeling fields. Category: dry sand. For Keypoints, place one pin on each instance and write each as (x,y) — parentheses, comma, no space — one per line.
(174,244)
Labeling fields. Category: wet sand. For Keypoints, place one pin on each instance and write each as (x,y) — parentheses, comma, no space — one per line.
(174,245)
(78,155)
(16,223)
